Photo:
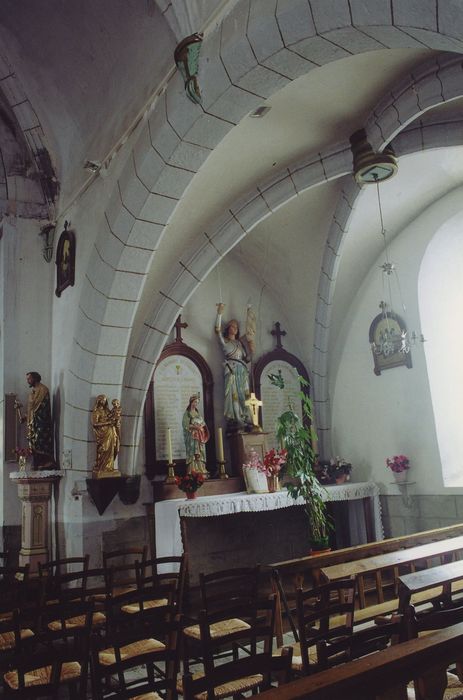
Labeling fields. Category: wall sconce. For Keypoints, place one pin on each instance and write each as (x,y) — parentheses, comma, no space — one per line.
(47,233)
(186,57)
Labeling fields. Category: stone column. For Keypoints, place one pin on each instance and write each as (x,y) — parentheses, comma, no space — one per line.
(34,492)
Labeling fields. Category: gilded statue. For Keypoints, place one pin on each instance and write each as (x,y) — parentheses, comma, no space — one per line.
(106,425)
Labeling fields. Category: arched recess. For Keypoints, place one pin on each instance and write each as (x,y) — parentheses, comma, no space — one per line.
(440,306)
(255,50)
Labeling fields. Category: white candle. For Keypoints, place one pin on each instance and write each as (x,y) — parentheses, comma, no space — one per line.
(220,445)
(169,446)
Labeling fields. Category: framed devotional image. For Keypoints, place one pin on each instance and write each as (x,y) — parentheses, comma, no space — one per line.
(65,260)
(388,342)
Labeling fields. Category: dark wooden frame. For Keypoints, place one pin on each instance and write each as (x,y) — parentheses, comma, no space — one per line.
(279,355)
(155,467)
(397,359)
(66,279)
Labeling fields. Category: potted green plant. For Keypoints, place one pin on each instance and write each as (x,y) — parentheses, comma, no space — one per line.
(297,436)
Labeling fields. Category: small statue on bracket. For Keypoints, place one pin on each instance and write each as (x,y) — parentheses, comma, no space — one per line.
(106,426)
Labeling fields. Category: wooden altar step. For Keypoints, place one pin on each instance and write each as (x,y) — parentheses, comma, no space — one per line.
(211,487)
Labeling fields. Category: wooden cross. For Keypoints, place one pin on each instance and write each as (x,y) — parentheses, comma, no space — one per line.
(254,403)
(178,325)
(279,333)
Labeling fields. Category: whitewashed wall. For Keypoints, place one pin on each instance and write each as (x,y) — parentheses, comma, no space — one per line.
(376,417)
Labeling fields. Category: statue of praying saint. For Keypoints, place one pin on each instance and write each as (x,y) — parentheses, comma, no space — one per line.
(39,423)
(238,353)
(106,424)
(195,434)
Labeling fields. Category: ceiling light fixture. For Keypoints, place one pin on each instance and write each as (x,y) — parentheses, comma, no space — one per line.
(390,336)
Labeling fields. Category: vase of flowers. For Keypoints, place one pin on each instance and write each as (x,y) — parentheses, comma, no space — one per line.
(190,483)
(399,465)
(253,473)
(22,453)
(274,461)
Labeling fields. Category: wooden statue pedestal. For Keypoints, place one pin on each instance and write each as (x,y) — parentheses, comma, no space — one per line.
(240,445)
(34,492)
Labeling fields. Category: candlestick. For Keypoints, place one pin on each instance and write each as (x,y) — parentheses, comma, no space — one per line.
(222,473)
(220,445)
(170,478)
(169,446)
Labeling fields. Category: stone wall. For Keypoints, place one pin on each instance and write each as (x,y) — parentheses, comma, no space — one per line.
(403,515)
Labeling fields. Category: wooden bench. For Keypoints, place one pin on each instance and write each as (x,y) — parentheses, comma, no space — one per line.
(307,571)
(384,675)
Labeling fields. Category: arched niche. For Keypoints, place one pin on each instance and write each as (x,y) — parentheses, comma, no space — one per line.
(180,372)
(275,400)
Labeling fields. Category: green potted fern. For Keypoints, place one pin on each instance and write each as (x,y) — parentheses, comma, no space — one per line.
(297,437)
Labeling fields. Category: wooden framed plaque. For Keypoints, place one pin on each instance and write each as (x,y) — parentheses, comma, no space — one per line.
(275,400)
(180,372)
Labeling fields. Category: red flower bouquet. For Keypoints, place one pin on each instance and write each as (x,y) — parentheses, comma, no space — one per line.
(191,482)
(274,461)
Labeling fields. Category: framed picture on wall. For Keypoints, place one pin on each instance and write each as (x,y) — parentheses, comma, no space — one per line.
(65,260)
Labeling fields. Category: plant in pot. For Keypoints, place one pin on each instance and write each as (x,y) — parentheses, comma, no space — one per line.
(297,437)
(339,470)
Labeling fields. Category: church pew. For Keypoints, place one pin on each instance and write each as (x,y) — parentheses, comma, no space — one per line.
(385,674)
(306,572)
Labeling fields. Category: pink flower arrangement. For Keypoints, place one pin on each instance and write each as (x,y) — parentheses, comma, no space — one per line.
(398,463)
(274,460)
(254,461)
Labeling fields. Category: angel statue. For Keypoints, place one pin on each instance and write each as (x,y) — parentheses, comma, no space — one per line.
(238,353)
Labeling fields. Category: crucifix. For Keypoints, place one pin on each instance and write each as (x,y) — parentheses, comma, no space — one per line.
(254,403)
(279,334)
(178,325)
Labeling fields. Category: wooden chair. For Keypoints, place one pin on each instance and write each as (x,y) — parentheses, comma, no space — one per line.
(121,567)
(228,599)
(168,573)
(62,659)
(331,652)
(52,572)
(423,623)
(155,661)
(247,672)
(325,612)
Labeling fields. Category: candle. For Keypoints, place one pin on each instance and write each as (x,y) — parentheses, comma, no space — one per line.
(169,446)
(220,445)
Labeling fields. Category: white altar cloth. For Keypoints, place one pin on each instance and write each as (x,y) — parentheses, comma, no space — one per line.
(167,513)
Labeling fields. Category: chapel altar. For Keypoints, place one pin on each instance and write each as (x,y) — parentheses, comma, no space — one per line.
(225,525)
(240,529)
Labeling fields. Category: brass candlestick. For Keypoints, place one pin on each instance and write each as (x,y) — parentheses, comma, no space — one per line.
(170,478)
(222,473)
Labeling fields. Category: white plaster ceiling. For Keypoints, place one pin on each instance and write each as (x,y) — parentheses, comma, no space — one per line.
(89,86)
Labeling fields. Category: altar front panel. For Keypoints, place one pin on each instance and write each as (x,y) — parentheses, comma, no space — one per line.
(266,527)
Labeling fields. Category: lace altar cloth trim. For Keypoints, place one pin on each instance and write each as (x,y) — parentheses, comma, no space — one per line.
(209,506)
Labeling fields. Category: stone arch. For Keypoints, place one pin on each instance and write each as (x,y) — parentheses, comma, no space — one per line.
(257,49)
